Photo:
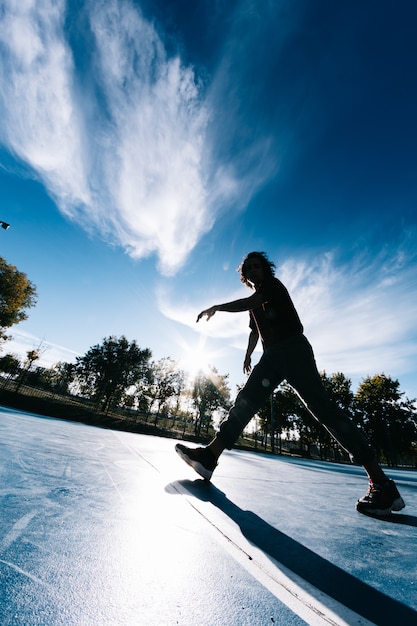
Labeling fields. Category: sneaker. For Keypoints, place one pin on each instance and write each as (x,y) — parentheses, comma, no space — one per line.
(381,499)
(200,459)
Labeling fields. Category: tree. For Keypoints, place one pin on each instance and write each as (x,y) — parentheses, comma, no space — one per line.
(290,414)
(31,357)
(60,376)
(9,364)
(308,428)
(210,393)
(389,420)
(167,382)
(107,371)
(283,405)
(17,293)
(339,390)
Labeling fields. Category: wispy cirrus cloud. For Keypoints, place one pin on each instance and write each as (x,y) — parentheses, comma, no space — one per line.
(115,128)
(49,353)
(157,124)
(40,120)
(359,316)
(122,156)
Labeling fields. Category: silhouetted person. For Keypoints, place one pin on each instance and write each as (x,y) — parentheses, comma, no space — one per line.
(286,355)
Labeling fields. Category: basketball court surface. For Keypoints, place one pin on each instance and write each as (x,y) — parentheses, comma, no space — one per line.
(100,527)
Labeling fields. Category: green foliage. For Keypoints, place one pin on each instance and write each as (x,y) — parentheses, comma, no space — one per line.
(108,370)
(296,417)
(289,414)
(31,357)
(17,294)
(166,383)
(59,377)
(210,393)
(284,406)
(389,419)
(9,364)
(339,390)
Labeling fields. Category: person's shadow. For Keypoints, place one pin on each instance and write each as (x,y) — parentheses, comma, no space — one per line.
(328,578)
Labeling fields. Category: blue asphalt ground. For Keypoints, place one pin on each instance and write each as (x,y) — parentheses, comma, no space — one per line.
(100,527)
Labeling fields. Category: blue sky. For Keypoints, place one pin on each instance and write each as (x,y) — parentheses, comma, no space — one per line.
(146,147)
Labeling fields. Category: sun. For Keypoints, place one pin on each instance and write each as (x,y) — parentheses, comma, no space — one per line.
(195,358)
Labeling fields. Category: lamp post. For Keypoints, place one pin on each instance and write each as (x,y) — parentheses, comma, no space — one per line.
(4,225)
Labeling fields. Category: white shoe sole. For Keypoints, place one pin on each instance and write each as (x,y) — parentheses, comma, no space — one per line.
(397,505)
(197,467)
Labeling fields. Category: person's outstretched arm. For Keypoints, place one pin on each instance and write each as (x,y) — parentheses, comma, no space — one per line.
(236,306)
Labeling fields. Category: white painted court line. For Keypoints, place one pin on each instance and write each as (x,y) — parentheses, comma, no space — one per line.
(16,530)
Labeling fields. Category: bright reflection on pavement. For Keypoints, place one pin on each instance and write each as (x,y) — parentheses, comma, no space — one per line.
(112,528)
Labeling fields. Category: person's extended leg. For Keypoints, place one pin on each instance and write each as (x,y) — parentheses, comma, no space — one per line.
(265,376)
(303,376)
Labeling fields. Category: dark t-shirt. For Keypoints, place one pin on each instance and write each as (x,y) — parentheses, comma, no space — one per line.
(276,318)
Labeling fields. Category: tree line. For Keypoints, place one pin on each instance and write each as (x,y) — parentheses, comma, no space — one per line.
(379,408)
(117,373)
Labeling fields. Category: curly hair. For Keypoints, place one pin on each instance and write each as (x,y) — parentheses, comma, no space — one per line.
(267,266)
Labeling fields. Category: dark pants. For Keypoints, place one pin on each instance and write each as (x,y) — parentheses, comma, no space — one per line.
(292,359)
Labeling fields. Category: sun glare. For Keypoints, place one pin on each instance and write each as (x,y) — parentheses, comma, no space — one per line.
(195,358)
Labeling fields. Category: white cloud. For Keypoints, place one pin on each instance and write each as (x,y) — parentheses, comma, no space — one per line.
(40,121)
(155,174)
(122,146)
(233,327)
(50,353)
(360,317)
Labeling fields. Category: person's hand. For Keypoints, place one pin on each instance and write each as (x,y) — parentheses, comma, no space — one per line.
(247,365)
(207,312)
